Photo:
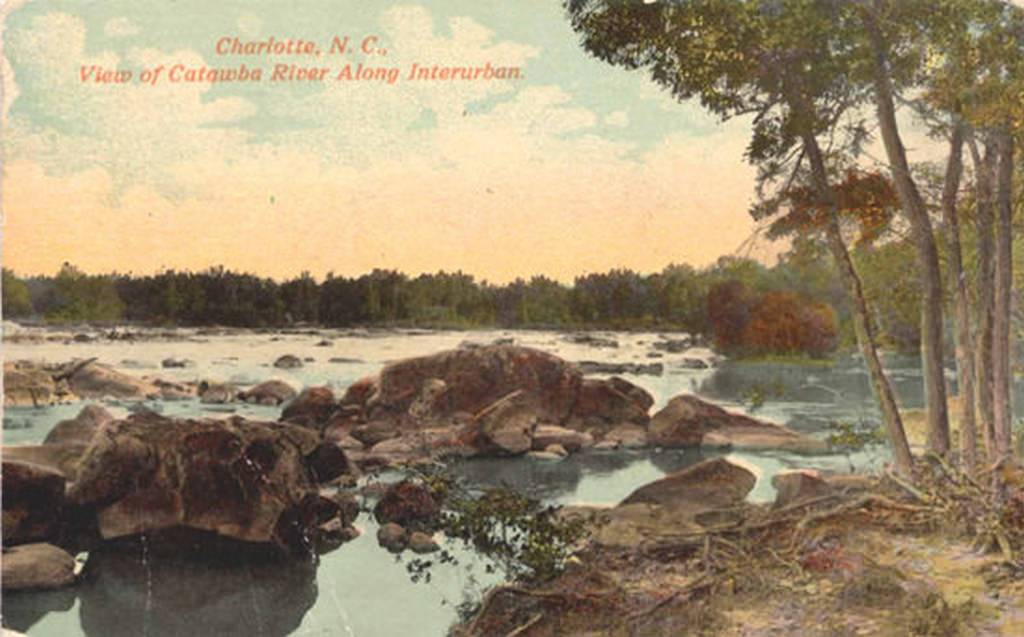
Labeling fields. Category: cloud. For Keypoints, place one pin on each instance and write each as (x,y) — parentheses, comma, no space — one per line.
(501,179)
(120,28)
(134,131)
(618,119)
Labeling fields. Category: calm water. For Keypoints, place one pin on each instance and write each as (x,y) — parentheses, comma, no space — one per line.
(360,589)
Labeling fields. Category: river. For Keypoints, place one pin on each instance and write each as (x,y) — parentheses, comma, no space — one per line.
(360,589)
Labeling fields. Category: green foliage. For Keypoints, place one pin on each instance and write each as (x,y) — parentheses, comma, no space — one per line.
(525,539)
(16,299)
(77,297)
(675,298)
(849,437)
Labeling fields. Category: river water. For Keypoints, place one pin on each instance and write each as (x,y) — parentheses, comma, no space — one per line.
(360,589)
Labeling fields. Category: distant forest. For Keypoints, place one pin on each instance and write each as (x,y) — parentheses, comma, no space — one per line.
(793,307)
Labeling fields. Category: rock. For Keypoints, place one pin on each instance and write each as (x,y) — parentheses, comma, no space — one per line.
(637,369)
(36,567)
(608,444)
(217,393)
(33,501)
(327,462)
(606,403)
(288,361)
(420,542)
(688,421)
(242,480)
(591,340)
(625,437)
(693,363)
(172,363)
(409,504)
(558,450)
(174,391)
(312,408)
(342,359)
(474,380)
(394,451)
(90,379)
(28,387)
(546,456)
(506,427)
(62,458)
(429,402)
(271,392)
(712,484)
(798,486)
(80,429)
(570,439)
(375,432)
(673,345)
(324,343)
(392,537)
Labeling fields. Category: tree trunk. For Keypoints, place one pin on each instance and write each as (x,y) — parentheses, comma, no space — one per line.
(957,281)
(924,239)
(861,315)
(1002,345)
(984,171)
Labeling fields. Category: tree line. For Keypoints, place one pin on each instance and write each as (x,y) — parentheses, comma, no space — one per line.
(744,306)
(823,80)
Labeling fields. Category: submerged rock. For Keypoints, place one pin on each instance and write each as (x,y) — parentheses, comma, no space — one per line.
(36,567)
(392,537)
(420,542)
(288,361)
(217,393)
(271,392)
(688,421)
(637,369)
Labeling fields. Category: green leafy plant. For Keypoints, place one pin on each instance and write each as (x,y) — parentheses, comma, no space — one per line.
(522,537)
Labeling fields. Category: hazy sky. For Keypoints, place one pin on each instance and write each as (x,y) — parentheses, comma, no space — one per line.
(578,167)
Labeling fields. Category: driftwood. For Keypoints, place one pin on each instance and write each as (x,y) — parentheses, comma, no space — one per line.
(74,369)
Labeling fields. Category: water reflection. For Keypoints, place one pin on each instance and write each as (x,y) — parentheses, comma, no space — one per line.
(126,595)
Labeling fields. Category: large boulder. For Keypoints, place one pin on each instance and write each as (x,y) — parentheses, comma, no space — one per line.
(271,392)
(237,479)
(681,504)
(506,427)
(688,421)
(603,404)
(90,379)
(36,567)
(33,501)
(312,408)
(80,429)
(469,380)
(26,386)
(711,484)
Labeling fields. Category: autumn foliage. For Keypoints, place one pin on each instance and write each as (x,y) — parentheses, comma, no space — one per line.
(777,322)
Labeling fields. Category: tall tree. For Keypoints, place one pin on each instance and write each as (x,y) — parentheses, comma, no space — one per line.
(877,15)
(784,64)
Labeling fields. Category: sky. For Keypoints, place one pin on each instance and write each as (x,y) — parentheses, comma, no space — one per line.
(576,167)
